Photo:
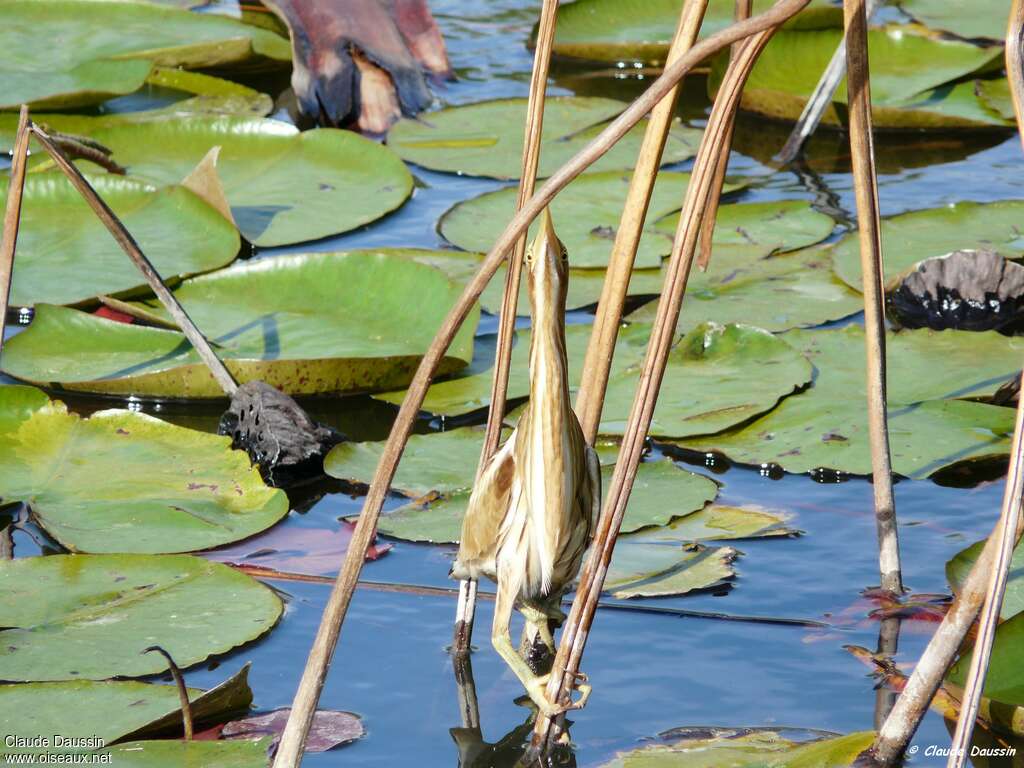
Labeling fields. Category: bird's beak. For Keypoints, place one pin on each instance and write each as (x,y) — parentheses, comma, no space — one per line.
(546,241)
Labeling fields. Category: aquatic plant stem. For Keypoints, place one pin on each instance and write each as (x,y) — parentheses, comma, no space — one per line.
(292,744)
(605,330)
(862,153)
(12,215)
(1009,521)
(707,229)
(1010,514)
(663,333)
(466,611)
(124,239)
(179,683)
(820,99)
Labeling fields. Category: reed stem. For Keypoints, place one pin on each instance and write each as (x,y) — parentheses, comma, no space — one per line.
(598,360)
(12,215)
(290,749)
(862,153)
(466,609)
(113,224)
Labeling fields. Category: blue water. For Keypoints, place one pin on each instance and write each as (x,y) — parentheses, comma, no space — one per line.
(650,673)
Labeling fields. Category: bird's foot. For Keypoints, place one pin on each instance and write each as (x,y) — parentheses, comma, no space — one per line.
(537,690)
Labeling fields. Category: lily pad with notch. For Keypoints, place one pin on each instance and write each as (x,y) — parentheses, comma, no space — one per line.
(104,48)
(177,489)
(486,138)
(88,617)
(284,186)
(304,324)
(177,230)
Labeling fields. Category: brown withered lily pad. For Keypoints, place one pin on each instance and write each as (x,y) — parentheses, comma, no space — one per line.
(971,290)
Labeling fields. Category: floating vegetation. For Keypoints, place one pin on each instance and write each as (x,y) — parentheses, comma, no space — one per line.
(180,232)
(483,139)
(87,629)
(304,324)
(283,186)
(108,48)
(178,490)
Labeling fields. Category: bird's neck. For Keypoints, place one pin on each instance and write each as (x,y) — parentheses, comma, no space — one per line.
(549,366)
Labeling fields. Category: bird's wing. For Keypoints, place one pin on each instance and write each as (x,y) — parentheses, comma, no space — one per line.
(487,507)
(594,475)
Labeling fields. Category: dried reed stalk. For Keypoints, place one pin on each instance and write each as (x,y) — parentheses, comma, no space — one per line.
(131,248)
(699,190)
(862,153)
(598,360)
(293,739)
(12,215)
(466,609)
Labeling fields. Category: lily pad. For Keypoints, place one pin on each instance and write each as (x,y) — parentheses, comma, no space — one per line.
(304,324)
(911,237)
(102,48)
(977,19)
(707,382)
(586,215)
(178,490)
(641,30)
(283,186)
(717,522)
(906,61)
(788,290)
(746,748)
(116,709)
(1004,682)
(211,95)
(995,95)
(194,754)
(486,138)
(1013,600)
(177,230)
(826,426)
(657,569)
(88,617)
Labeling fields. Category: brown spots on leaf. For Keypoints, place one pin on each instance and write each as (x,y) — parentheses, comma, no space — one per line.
(834,437)
(122,431)
(198,486)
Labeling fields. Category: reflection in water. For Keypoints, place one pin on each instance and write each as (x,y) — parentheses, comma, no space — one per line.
(510,751)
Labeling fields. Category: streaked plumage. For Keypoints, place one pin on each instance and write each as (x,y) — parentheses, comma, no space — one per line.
(530,514)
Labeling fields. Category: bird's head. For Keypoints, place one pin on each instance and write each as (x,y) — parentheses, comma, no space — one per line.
(547,268)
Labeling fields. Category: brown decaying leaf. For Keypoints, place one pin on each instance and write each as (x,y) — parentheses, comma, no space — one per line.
(330,728)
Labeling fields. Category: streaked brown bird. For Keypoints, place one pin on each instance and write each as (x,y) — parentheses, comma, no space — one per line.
(531,512)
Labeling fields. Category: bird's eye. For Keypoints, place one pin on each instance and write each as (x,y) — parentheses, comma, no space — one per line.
(565,254)
(529,257)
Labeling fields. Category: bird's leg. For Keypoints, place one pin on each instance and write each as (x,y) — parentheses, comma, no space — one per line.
(537,624)
(501,638)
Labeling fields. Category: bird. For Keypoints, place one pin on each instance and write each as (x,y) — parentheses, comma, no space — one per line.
(531,512)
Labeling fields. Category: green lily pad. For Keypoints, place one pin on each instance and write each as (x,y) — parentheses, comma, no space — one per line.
(641,30)
(486,138)
(88,617)
(178,490)
(717,522)
(116,709)
(211,95)
(586,215)
(1004,682)
(951,105)
(826,426)
(177,230)
(283,186)
(910,237)
(995,95)
(661,492)
(657,569)
(961,564)
(977,19)
(305,324)
(789,290)
(746,748)
(906,61)
(194,754)
(100,49)
(706,387)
